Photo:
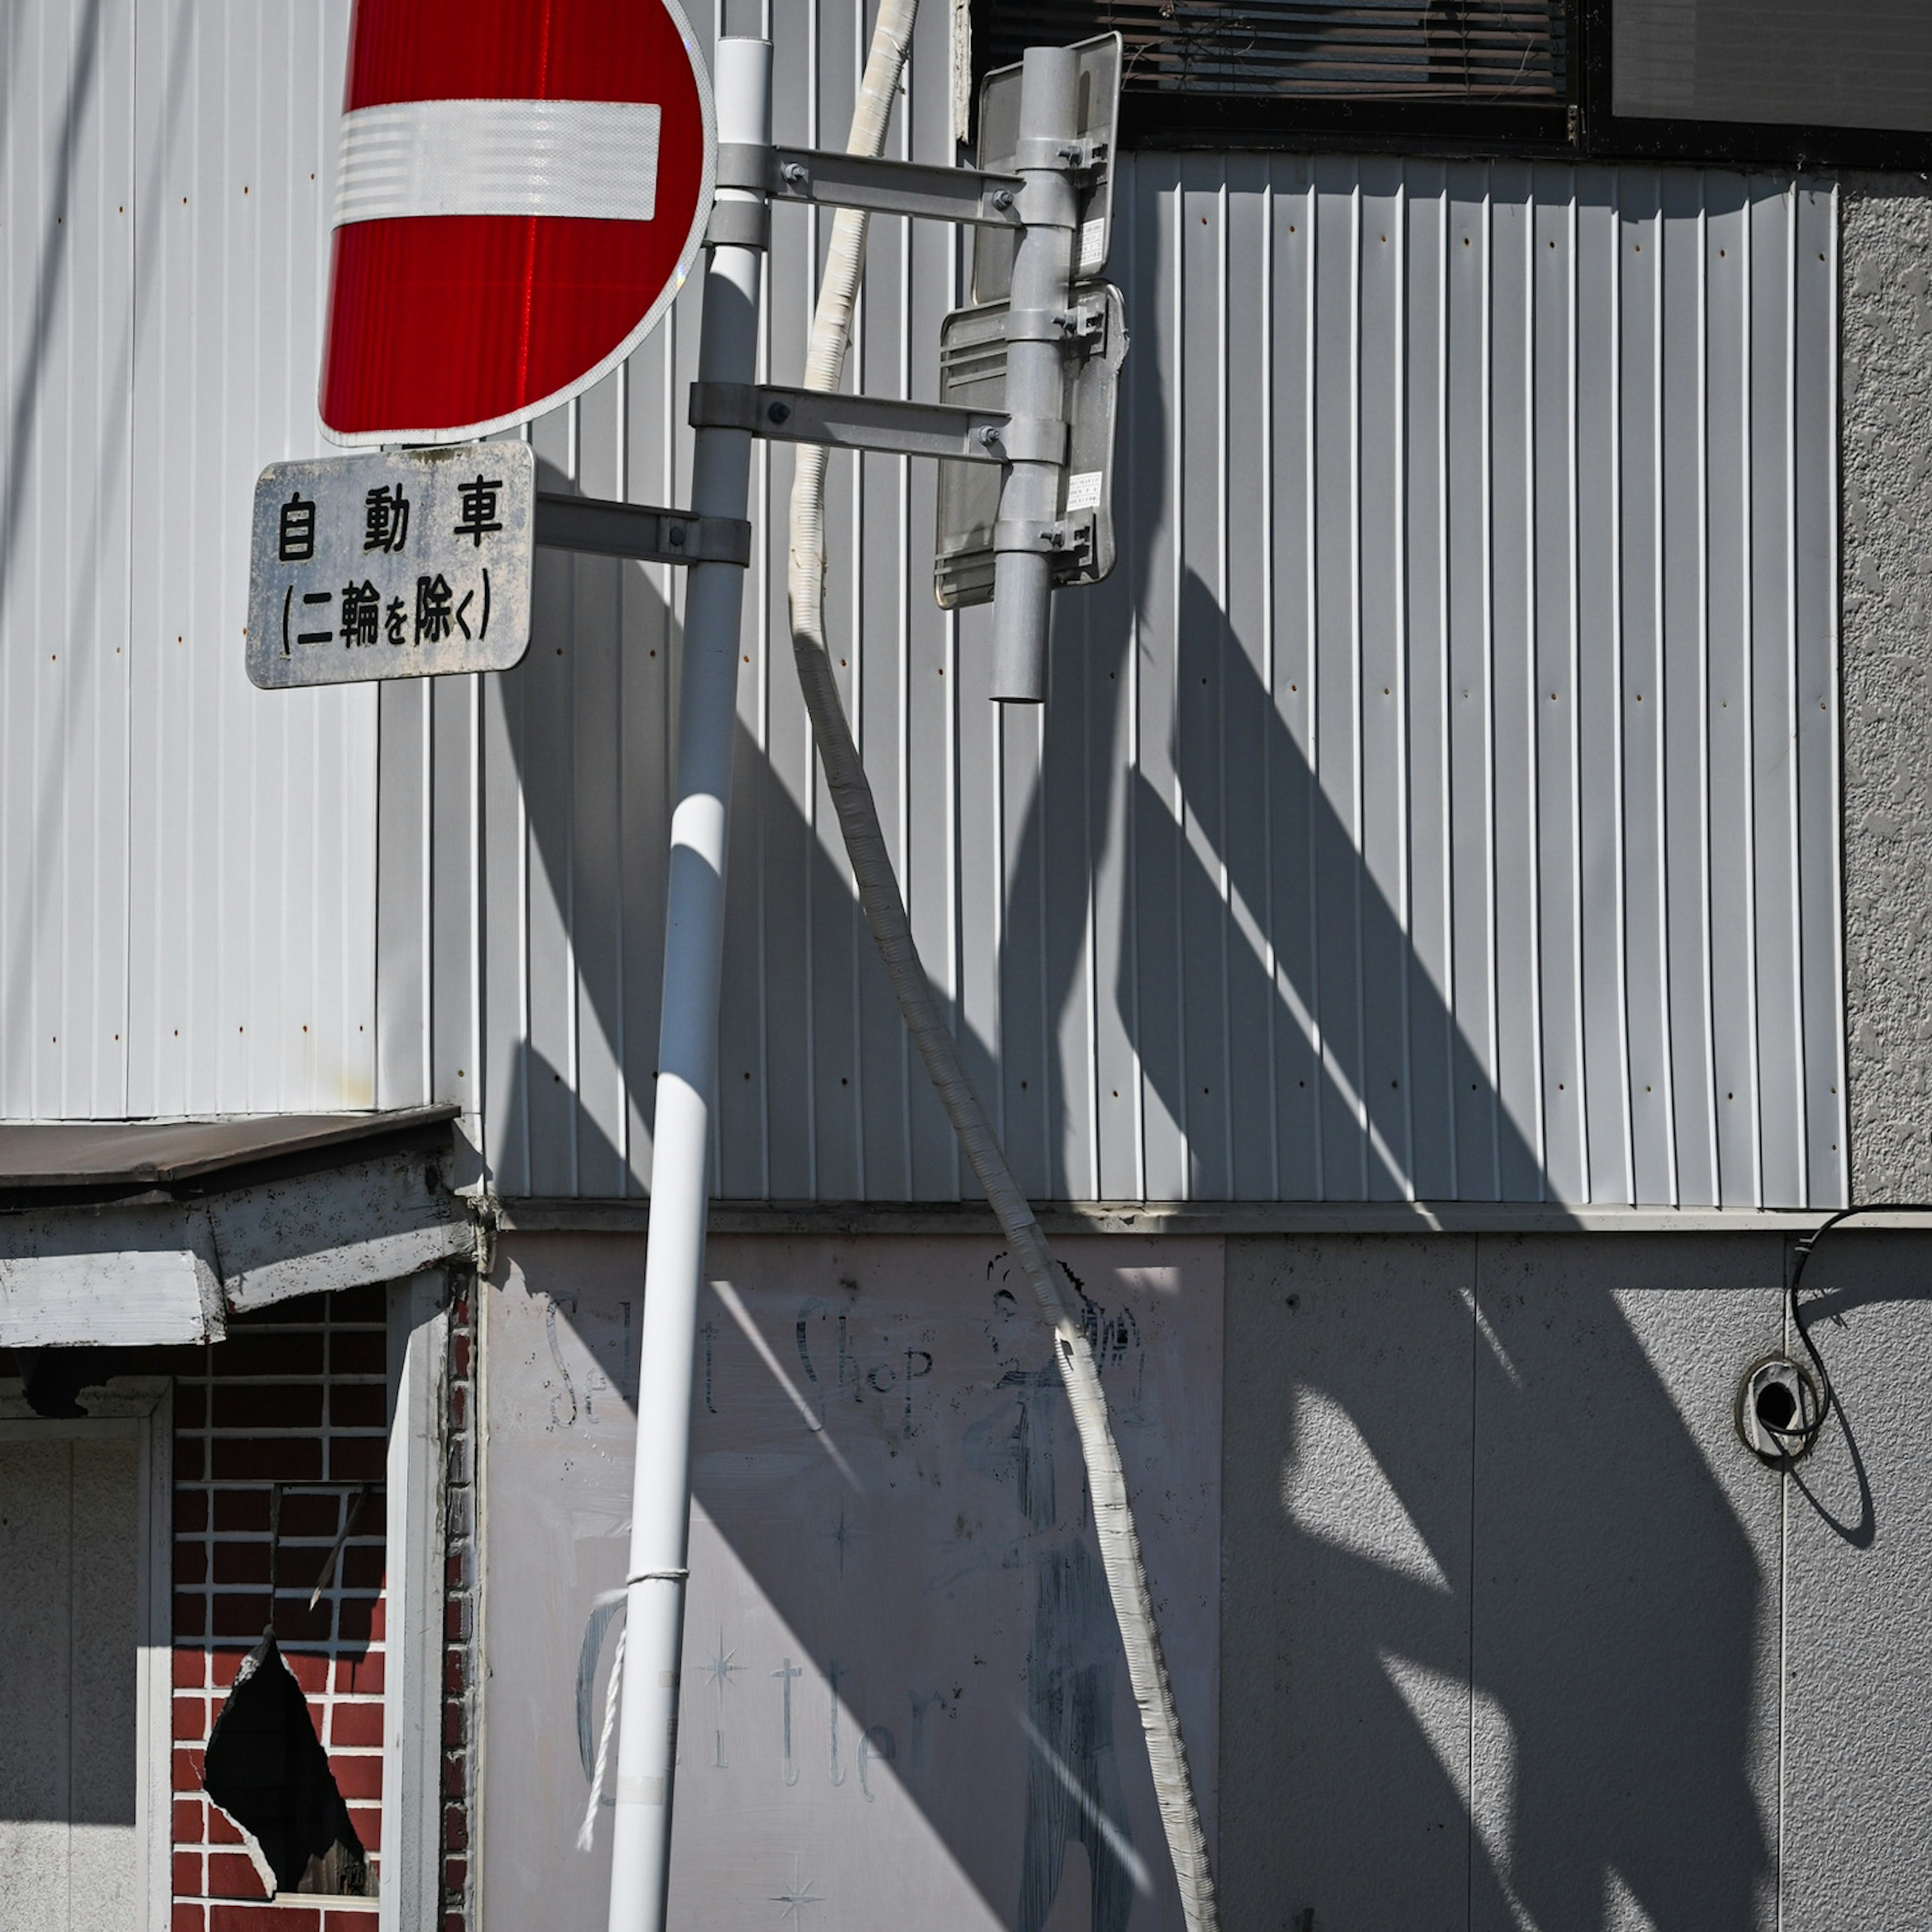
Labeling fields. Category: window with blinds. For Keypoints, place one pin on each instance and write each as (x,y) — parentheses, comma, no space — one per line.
(1419,51)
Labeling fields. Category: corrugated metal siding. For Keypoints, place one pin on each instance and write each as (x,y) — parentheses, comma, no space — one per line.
(1438,801)
(187,871)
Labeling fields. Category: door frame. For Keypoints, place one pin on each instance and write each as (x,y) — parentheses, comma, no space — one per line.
(141,1407)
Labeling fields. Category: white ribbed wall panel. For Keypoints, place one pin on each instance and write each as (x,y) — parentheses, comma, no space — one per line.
(186,866)
(1438,801)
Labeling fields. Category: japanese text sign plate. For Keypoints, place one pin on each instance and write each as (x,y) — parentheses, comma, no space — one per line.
(413,563)
(521,191)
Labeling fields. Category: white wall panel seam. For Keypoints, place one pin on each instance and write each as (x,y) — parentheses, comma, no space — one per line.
(1666,1045)
(1620,695)
(1357,826)
(1492,1059)
(1230,935)
(1264,410)
(1534,776)
(1321,1060)
(1707,959)
(1802,1138)
(1747,586)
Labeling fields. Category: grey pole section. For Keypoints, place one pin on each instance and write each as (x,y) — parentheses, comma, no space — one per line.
(1042,271)
(687,1064)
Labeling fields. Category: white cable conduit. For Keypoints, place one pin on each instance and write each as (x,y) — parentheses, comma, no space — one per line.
(892,933)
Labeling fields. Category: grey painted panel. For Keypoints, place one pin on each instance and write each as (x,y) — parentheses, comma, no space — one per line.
(902,1669)
(1625,1738)
(1345,1612)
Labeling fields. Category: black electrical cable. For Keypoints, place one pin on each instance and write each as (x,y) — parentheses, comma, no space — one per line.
(1798,1441)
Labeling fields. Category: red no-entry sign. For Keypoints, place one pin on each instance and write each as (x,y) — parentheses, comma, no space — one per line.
(523,187)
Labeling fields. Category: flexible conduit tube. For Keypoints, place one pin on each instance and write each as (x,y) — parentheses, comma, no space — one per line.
(892,933)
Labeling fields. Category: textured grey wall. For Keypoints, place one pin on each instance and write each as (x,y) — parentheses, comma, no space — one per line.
(1504,1599)
(1886,445)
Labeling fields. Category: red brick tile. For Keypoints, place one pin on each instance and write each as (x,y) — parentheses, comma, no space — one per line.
(310,1670)
(357,1458)
(190,1821)
(190,1405)
(267,1405)
(190,1508)
(452,1922)
(187,1919)
(356,1724)
(232,1875)
(350,1915)
(459,1406)
(240,1615)
(245,1509)
(369,1303)
(361,1567)
(186,1880)
(455,1874)
(190,1666)
(190,1562)
(241,1562)
(357,1777)
(186,1769)
(360,1676)
(276,1917)
(312,1515)
(454,1671)
(190,1615)
(223,1664)
(190,1720)
(359,1405)
(307,1310)
(463,1357)
(455,1828)
(256,1354)
(222,1829)
(453,1783)
(296,1623)
(364,1354)
(367,1820)
(291,1458)
(191,1458)
(452,1727)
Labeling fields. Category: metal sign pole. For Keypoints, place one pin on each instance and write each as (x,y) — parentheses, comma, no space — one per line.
(1049,124)
(687,1061)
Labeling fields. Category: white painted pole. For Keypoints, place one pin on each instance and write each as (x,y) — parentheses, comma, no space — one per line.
(687,1065)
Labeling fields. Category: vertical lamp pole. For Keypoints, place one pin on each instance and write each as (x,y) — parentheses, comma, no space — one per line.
(687,1062)
(1042,272)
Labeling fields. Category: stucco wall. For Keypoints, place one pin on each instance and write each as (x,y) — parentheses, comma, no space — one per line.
(1886,445)
(1504,1600)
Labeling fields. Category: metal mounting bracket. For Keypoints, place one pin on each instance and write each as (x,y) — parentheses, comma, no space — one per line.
(851,422)
(640,531)
(879,186)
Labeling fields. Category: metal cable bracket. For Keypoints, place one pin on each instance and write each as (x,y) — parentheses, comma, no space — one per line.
(641,531)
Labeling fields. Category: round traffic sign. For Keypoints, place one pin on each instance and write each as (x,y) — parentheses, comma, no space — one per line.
(522,190)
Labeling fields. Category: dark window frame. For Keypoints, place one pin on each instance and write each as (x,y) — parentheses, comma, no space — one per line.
(1580,127)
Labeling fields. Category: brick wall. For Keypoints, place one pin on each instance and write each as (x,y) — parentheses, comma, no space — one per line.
(460,1628)
(298,1396)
